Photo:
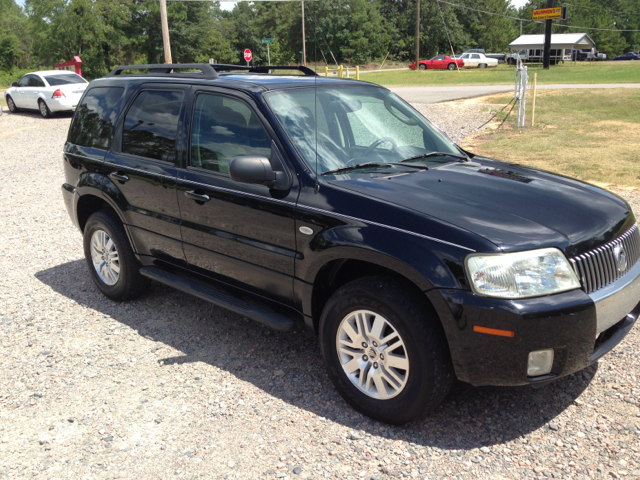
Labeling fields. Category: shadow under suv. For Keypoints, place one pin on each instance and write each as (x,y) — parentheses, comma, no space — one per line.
(333,203)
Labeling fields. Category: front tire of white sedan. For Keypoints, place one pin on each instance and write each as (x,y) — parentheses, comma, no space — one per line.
(12,105)
(44,110)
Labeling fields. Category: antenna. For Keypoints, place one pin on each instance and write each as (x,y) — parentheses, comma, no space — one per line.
(315,93)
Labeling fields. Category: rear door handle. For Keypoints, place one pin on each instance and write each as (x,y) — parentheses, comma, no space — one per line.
(119,176)
(197,196)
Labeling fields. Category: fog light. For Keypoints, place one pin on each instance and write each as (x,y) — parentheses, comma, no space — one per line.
(540,362)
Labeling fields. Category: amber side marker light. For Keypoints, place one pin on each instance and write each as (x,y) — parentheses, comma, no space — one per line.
(494,331)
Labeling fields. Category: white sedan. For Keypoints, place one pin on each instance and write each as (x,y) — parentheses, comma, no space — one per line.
(478,60)
(48,91)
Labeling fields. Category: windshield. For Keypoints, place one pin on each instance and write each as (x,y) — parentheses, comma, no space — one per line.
(64,79)
(355,125)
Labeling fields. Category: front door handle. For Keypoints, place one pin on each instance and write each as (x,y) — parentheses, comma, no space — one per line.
(119,176)
(198,197)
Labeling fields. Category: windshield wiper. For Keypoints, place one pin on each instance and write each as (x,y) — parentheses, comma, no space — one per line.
(375,164)
(436,154)
(360,165)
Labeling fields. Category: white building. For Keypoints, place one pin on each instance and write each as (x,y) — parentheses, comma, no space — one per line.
(531,47)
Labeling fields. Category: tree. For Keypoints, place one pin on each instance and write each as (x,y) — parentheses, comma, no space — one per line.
(14,45)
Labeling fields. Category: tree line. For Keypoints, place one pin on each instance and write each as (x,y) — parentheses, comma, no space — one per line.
(106,33)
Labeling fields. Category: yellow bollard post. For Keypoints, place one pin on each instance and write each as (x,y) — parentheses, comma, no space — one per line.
(357,72)
(533,103)
(326,71)
(341,70)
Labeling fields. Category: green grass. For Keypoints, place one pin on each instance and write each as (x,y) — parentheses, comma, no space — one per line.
(7,78)
(592,135)
(583,72)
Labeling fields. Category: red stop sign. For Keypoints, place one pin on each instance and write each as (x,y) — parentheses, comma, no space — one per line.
(247,55)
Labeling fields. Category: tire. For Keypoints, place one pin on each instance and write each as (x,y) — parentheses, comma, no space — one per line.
(44,109)
(11,104)
(482,65)
(451,66)
(421,345)
(423,66)
(127,283)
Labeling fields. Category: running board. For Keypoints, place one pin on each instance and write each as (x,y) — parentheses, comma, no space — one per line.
(260,314)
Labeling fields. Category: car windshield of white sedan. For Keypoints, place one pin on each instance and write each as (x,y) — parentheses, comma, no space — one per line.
(353,125)
(64,79)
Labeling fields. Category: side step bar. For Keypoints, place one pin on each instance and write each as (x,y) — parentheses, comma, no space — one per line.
(260,314)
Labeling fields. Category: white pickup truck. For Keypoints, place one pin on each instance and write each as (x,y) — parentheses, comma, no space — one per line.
(478,60)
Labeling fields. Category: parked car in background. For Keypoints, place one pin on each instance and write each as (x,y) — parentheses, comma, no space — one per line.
(501,57)
(478,60)
(439,62)
(628,56)
(601,56)
(48,92)
(535,55)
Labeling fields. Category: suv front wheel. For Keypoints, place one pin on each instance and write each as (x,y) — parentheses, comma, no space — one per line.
(384,351)
(110,258)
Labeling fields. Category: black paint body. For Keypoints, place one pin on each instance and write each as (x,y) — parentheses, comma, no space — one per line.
(420,226)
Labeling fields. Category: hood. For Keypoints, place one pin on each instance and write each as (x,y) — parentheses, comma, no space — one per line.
(514,207)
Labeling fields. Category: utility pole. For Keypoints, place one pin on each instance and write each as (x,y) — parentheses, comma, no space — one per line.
(417,34)
(165,31)
(304,43)
(546,60)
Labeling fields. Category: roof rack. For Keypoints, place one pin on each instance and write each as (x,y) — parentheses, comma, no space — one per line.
(209,71)
(265,69)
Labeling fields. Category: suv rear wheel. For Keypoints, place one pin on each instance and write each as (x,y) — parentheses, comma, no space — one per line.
(384,351)
(110,258)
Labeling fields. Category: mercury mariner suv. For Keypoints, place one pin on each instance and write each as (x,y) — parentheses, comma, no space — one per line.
(332,203)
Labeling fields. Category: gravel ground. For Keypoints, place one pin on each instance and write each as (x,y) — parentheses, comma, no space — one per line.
(169,386)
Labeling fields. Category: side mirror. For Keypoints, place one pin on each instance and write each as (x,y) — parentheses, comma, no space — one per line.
(14,84)
(257,170)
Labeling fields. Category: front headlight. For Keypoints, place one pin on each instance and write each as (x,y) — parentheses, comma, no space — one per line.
(521,274)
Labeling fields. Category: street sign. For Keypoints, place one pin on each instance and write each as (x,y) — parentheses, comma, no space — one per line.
(247,55)
(554,13)
(267,40)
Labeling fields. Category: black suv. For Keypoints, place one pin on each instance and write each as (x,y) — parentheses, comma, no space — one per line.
(331,202)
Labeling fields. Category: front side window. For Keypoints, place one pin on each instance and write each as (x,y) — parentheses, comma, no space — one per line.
(64,79)
(24,81)
(95,116)
(352,125)
(224,128)
(151,125)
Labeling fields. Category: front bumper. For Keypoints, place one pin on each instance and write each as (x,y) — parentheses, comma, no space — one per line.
(580,328)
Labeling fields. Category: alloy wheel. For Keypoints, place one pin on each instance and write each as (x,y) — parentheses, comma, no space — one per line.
(372,354)
(104,256)
(43,109)
(11,105)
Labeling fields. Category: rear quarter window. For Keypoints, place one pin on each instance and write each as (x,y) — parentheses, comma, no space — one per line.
(95,117)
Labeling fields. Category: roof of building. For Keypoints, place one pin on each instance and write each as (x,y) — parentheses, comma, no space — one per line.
(568,40)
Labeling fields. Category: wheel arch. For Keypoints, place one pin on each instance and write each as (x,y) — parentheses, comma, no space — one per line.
(340,271)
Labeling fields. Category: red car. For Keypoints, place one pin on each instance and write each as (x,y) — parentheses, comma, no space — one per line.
(441,61)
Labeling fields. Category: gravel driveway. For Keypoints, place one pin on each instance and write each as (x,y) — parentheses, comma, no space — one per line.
(169,386)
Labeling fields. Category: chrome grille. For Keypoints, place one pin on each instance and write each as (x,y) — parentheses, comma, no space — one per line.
(599,267)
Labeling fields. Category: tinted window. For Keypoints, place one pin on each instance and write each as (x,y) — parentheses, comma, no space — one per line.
(64,79)
(95,116)
(35,81)
(24,81)
(475,55)
(224,128)
(151,125)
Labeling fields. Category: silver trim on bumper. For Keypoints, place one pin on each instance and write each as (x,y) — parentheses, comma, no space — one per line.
(615,301)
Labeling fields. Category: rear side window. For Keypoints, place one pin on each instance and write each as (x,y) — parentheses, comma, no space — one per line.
(95,117)
(151,125)
(35,81)
(64,79)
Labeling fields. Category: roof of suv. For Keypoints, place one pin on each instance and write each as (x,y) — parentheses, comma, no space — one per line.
(255,78)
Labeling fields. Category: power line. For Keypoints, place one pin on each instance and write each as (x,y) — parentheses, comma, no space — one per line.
(527,20)
(599,9)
